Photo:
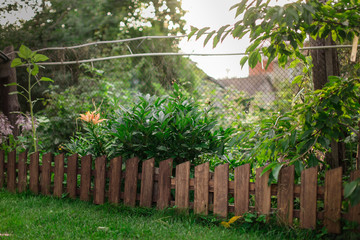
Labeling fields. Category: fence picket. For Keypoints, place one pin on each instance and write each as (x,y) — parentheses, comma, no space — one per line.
(241,189)
(285,200)
(45,179)
(182,185)
(22,172)
(308,193)
(164,183)
(147,183)
(71,175)
(34,173)
(2,168)
(11,172)
(131,174)
(221,190)
(115,180)
(262,192)
(85,182)
(100,178)
(59,175)
(201,189)
(354,211)
(332,200)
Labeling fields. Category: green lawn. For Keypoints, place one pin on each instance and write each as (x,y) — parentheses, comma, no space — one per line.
(24,216)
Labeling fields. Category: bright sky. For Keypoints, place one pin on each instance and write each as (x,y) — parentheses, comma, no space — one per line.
(214,14)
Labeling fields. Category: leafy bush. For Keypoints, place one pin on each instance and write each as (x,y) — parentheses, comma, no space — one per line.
(161,127)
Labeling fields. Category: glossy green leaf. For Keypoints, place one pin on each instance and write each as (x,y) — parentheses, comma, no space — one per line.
(16,62)
(201,32)
(25,52)
(45,79)
(40,58)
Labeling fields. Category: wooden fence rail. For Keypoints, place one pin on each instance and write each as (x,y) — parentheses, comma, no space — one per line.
(101,180)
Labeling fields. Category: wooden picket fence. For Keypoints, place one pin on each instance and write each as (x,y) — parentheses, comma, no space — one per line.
(211,190)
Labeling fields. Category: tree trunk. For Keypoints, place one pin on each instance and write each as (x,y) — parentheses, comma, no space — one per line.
(326,64)
(9,103)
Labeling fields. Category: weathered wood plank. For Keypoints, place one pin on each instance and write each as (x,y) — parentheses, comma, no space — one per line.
(115,180)
(201,189)
(34,173)
(332,200)
(241,189)
(2,168)
(45,177)
(221,190)
(164,186)
(285,201)
(182,186)
(71,175)
(11,172)
(147,183)
(59,175)
(262,192)
(22,172)
(354,211)
(131,174)
(85,182)
(100,177)
(308,193)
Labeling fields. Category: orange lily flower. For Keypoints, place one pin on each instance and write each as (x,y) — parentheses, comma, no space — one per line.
(91,117)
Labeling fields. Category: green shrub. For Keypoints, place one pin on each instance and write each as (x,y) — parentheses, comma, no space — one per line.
(161,127)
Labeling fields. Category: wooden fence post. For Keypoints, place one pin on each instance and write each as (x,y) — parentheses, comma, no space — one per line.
(34,172)
(147,182)
(332,200)
(201,193)
(285,197)
(241,189)
(164,183)
(221,190)
(131,174)
(59,175)
(11,172)
(85,182)
(182,185)
(262,192)
(71,175)
(22,172)
(115,180)
(308,194)
(45,179)
(100,179)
